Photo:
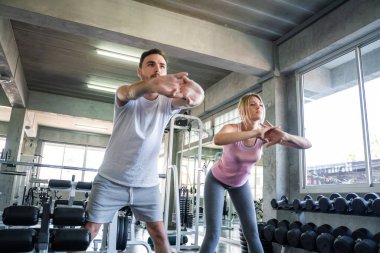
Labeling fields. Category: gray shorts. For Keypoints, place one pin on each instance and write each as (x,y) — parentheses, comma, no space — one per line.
(107,198)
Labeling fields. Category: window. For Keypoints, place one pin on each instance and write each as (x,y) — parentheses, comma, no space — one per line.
(52,154)
(340,119)
(2,143)
(256,181)
(227,118)
(193,135)
(94,157)
(372,91)
(71,156)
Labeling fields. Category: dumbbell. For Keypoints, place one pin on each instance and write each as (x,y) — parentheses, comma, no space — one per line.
(327,204)
(283,203)
(363,206)
(368,245)
(345,244)
(268,230)
(260,229)
(311,205)
(243,240)
(325,241)
(376,206)
(294,234)
(267,246)
(300,205)
(280,232)
(307,238)
(343,205)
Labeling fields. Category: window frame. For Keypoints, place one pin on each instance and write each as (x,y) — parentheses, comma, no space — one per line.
(62,167)
(342,188)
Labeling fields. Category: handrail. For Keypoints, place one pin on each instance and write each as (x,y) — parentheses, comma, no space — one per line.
(14,163)
(173,169)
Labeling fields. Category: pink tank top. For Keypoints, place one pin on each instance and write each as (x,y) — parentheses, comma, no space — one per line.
(235,165)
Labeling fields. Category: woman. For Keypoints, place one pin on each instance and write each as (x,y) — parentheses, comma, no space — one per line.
(242,144)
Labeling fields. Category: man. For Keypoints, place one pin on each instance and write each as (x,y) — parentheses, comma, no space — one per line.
(128,174)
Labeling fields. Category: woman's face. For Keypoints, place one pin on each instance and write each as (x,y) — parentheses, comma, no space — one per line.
(255,109)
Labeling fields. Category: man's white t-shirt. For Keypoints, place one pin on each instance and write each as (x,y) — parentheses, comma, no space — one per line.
(131,157)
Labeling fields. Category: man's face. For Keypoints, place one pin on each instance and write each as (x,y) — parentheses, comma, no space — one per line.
(154,65)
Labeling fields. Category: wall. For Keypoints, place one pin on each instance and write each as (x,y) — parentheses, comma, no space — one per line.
(3,128)
(73,137)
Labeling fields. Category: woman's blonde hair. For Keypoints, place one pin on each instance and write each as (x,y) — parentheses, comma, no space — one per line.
(244,105)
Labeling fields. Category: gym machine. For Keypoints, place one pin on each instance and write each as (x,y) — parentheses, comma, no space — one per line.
(120,233)
(26,183)
(72,187)
(57,230)
(173,170)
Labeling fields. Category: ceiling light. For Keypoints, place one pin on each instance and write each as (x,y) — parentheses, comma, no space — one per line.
(102,88)
(125,57)
(91,127)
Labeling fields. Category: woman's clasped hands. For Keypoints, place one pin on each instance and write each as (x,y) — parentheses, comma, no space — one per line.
(272,135)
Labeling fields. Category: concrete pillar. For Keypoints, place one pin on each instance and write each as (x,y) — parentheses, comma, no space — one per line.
(12,182)
(15,134)
(28,151)
(294,162)
(276,181)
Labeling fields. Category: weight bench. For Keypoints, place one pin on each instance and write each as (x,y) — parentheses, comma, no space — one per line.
(73,188)
(51,234)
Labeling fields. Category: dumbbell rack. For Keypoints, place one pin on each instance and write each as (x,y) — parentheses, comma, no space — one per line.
(173,170)
(339,239)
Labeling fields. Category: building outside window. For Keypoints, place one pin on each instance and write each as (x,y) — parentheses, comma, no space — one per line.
(340,99)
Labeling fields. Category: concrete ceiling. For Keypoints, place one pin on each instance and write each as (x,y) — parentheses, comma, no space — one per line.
(268,19)
(60,62)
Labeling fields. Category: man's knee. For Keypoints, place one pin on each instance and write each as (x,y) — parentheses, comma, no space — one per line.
(156,230)
(93,228)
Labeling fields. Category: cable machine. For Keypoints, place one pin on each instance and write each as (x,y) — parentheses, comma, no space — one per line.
(191,124)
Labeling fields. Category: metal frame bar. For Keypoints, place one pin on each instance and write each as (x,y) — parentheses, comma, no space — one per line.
(172,169)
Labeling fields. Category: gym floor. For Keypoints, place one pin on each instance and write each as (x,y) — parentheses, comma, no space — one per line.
(228,243)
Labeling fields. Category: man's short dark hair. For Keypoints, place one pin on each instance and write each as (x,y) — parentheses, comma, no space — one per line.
(152,51)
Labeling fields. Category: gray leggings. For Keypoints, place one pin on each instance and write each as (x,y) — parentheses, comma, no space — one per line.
(243,202)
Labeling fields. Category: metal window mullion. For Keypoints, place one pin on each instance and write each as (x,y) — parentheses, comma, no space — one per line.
(301,124)
(363,109)
(63,160)
(84,162)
